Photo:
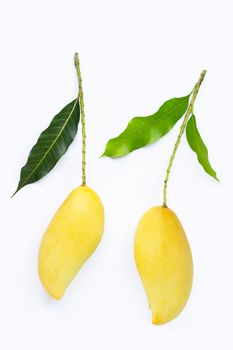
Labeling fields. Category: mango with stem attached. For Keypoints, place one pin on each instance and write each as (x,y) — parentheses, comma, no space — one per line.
(76,229)
(161,249)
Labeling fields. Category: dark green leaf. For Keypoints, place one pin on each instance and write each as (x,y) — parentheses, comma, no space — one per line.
(52,143)
(142,131)
(198,146)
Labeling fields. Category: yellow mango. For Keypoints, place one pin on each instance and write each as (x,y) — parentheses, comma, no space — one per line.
(164,262)
(71,237)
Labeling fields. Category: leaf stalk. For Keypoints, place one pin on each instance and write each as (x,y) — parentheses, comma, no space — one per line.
(182,128)
(81,102)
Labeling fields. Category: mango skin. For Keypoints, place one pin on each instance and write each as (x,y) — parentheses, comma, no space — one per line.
(71,237)
(164,262)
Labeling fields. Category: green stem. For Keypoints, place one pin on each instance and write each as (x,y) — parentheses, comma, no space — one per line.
(81,102)
(182,128)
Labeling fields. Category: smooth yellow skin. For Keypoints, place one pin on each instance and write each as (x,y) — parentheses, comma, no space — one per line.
(164,262)
(71,237)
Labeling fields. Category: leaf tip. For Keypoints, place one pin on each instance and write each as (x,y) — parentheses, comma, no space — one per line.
(14,193)
(103,155)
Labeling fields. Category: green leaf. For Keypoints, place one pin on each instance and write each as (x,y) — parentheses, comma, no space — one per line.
(52,143)
(197,145)
(142,131)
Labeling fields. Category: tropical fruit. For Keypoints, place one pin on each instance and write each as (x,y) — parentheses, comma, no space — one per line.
(164,262)
(71,237)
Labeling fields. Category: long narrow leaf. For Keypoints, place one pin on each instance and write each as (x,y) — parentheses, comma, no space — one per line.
(142,131)
(52,143)
(197,145)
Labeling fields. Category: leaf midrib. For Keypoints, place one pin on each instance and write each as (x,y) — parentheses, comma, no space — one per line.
(196,139)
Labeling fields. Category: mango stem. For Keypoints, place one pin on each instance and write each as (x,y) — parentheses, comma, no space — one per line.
(81,103)
(182,128)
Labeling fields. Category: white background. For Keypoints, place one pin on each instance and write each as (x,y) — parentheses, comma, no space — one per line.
(134,56)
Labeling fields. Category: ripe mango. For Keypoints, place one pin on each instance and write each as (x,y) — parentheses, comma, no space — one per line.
(71,237)
(164,262)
